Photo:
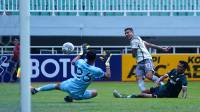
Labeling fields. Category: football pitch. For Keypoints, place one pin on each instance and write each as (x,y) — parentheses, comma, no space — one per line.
(52,101)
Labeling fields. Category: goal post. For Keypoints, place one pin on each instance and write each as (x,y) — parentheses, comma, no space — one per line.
(25,56)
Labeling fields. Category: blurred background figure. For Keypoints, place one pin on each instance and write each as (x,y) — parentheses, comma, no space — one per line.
(15,60)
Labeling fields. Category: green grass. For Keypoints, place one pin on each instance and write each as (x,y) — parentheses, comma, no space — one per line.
(52,101)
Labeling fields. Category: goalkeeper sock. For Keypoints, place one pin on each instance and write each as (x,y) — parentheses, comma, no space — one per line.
(46,87)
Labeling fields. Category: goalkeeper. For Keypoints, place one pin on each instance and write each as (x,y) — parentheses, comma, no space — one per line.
(86,72)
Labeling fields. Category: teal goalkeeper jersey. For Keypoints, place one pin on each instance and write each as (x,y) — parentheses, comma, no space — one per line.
(85,73)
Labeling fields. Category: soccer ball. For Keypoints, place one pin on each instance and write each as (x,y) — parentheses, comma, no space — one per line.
(67,47)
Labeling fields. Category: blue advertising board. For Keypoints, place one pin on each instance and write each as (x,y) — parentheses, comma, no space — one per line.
(56,68)
(6,66)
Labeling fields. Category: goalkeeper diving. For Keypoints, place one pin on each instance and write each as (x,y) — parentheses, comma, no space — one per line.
(86,72)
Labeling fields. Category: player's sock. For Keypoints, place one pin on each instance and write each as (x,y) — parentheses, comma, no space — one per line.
(154,78)
(46,87)
(116,94)
(141,85)
(132,96)
(162,83)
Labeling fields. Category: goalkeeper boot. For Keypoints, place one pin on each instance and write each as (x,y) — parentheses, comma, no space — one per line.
(68,99)
(33,91)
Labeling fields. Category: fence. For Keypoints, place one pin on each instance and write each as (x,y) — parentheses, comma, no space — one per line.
(99,49)
(101,7)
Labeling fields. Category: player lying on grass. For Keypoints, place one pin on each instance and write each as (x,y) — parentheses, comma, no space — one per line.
(177,81)
(86,72)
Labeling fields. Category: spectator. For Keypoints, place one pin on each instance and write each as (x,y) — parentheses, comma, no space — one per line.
(15,59)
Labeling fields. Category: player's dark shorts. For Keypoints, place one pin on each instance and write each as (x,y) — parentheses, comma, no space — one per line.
(159,92)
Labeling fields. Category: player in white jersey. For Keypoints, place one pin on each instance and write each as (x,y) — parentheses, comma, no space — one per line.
(85,72)
(145,67)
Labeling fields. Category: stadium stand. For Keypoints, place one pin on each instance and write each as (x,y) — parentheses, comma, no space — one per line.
(83,30)
(105,7)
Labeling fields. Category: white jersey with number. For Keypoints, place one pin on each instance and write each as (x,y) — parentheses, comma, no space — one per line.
(142,52)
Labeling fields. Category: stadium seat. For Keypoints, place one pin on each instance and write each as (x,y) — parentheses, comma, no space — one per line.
(160,14)
(137,14)
(109,7)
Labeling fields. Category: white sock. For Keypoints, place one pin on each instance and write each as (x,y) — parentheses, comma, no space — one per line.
(162,83)
(154,78)
(38,89)
(141,85)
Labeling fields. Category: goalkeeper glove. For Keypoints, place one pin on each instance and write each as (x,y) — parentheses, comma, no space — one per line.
(84,48)
(107,63)
(105,55)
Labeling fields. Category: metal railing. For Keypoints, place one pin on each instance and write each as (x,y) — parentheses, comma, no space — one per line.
(116,50)
(102,6)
